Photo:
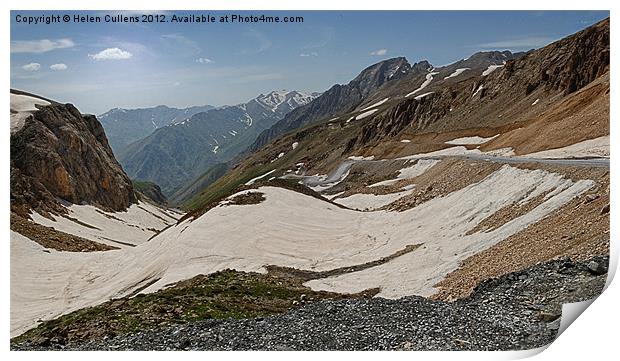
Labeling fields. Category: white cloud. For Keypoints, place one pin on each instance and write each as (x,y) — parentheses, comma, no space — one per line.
(111,54)
(204,60)
(379,52)
(40,46)
(313,53)
(32,67)
(59,66)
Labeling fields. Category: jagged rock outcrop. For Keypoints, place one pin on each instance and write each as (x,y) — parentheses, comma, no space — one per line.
(62,155)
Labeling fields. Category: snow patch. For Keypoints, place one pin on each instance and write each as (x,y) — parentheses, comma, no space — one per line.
(21,107)
(253,180)
(365,114)
(478,90)
(491,69)
(471,140)
(456,73)
(422,95)
(361,157)
(419,168)
(376,104)
(598,147)
(120,229)
(429,79)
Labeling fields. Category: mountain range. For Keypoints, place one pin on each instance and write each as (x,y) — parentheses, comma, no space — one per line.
(174,155)
(125,126)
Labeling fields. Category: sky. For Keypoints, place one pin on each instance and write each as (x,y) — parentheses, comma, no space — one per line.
(99,66)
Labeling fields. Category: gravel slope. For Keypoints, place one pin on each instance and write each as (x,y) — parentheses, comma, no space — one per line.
(520,310)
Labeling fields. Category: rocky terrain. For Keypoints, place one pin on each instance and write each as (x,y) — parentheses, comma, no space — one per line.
(516,311)
(378,81)
(61,154)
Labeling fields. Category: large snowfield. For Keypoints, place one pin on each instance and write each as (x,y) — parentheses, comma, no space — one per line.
(120,229)
(286,229)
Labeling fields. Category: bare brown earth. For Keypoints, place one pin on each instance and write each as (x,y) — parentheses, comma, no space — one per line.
(48,237)
(581,116)
(507,214)
(579,230)
(246,198)
(447,176)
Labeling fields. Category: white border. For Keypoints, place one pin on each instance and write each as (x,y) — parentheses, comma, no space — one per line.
(591,336)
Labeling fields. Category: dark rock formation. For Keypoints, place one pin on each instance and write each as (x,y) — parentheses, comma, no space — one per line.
(61,154)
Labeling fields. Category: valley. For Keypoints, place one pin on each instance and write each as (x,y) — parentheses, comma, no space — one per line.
(413,208)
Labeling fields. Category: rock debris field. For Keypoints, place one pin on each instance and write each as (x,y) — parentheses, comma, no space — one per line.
(520,310)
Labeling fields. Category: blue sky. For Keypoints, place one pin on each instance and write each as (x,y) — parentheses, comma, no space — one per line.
(107,65)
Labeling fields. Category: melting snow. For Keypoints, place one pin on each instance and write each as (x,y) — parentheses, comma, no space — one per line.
(419,168)
(21,107)
(365,114)
(376,104)
(361,157)
(478,90)
(598,147)
(118,229)
(251,181)
(422,95)
(471,140)
(295,145)
(362,201)
(491,69)
(429,79)
(292,230)
(456,73)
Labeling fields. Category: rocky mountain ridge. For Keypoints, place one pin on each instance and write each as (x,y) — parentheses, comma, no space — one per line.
(61,155)
(420,112)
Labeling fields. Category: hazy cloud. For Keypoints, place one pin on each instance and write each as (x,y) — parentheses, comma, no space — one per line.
(32,67)
(204,61)
(379,52)
(261,40)
(111,54)
(313,53)
(40,46)
(59,66)
(181,43)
